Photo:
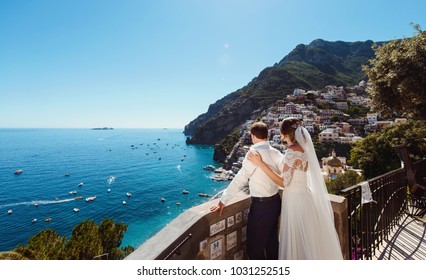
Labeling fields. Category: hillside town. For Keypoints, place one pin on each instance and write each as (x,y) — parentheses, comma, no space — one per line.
(332,115)
(327,114)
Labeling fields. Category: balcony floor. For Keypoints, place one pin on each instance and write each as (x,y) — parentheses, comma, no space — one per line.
(407,242)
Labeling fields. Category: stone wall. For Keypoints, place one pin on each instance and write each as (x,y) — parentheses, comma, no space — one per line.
(199,234)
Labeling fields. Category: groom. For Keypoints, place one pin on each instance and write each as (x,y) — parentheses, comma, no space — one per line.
(262,236)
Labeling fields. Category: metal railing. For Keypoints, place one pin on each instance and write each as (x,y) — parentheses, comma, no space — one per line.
(370,223)
(176,250)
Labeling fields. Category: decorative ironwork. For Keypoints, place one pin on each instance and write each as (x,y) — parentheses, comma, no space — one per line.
(370,223)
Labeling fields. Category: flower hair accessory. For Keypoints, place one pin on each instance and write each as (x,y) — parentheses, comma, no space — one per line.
(296,124)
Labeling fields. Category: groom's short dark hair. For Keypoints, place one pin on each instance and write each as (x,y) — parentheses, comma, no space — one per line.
(260,130)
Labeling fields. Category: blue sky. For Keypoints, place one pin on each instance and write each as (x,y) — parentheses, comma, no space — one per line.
(161,63)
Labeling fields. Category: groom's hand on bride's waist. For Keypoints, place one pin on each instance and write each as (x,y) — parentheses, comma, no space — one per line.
(219,207)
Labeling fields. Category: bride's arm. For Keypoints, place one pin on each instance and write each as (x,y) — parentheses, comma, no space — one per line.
(256,159)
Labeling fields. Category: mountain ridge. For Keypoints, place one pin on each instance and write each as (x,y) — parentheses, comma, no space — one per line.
(309,67)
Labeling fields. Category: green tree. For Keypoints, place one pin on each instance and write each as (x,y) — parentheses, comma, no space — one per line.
(345,180)
(334,118)
(87,241)
(111,236)
(397,76)
(357,111)
(376,154)
(45,245)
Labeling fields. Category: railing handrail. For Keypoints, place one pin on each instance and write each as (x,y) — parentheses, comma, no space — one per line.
(348,189)
(177,248)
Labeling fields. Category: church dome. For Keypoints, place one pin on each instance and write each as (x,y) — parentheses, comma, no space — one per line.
(334,162)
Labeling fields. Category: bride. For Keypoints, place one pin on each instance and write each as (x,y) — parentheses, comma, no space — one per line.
(306,223)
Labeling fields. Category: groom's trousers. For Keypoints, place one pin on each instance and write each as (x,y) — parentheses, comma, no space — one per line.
(262,228)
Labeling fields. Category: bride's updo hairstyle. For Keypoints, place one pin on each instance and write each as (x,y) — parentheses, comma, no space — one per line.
(288,127)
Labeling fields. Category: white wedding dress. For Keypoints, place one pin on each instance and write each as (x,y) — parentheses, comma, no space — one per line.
(306,233)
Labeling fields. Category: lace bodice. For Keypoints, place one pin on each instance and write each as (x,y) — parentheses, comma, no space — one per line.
(294,161)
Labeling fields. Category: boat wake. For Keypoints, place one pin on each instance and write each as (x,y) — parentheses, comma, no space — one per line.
(37,202)
(111,179)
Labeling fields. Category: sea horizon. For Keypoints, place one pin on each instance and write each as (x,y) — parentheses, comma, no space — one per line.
(149,163)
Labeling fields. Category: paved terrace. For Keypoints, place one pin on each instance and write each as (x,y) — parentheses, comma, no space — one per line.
(406,242)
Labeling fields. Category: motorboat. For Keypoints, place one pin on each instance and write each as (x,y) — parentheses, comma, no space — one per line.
(128,194)
(80,184)
(76,210)
(67,174)
(209,167)
(78,197)
(185,192)
(203,195)
(36,204)
(124,203)
(33,221)
(72,192)
(178,203)
(90,198)
(163,199)
(9,211)
(47,219)
(109,190)
(18,171)
(111,179)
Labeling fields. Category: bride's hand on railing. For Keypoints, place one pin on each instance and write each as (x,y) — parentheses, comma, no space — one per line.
(255,158)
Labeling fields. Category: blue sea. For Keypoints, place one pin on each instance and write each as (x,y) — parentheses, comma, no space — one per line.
(148,163)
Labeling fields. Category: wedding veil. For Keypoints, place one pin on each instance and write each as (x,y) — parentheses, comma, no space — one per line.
(315,179)
(326,232)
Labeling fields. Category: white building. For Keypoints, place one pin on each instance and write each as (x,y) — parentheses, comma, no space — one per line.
(328,135)
(284,116)
(310,128)
(372,118)
(298,91)
(327,95)
(345,140)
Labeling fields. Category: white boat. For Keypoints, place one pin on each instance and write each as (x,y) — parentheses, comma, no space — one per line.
(128,194)
(33,221)
(124,203)
(109,190)
(185,192)
(90,198)
(72,192)
(76,210)
(19,171)
(9,211)
(81,184)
